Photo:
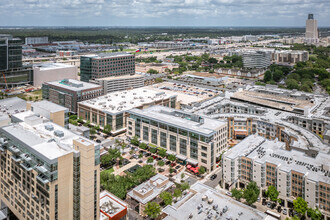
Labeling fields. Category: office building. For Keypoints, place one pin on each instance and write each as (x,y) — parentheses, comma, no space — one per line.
(46,72)
(256,59)
(111,207)
(47,172)
(293,173)
(193,139)
(36,40)
(311,34)
(119,83)
(68,92)
(106,65)
(13,73)
(204,202)
(112,108)
(148,191)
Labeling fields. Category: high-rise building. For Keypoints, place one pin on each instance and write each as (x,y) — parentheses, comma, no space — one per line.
(47,172)
(311,34)
(13,71)
(256,59)
(106,65)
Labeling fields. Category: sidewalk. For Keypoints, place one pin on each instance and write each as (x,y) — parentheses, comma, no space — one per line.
(122,169)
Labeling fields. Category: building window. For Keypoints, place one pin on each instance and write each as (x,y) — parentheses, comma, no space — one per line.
(183,146)
(193,149)
(145,133)
(173,143)
(154,135)
(163,141)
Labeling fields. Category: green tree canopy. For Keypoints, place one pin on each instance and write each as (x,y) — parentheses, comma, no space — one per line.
(171,157)
(161,152)
(150,160)
(292,84)
(184,186)
(314,214)
(152,71)
(166,197)
(272,193)
(202,170)
(143,146)
(277,75)
(237,194)
(152,209)
(300,205)
(160,163)
(177,193)
(135,141)
(251,193)
(267,76)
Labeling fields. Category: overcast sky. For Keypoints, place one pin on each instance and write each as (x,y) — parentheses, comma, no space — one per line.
(162,12)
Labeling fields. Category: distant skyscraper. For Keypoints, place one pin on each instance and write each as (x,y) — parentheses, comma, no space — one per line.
(311,34)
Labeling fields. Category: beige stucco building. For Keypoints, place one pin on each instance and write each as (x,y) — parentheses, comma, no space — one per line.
(193,139)
(47,172)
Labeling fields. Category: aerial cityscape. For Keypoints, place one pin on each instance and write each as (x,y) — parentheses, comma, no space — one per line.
(120,110)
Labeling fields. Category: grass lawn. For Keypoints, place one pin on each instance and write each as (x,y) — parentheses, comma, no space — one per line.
(109,171)
(27,95)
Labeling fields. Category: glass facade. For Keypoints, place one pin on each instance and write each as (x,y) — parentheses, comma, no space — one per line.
(163,139)
(173,143)
(85,68)
(154,135)
(145,133)
(193,149)
(183,146)
(119,121)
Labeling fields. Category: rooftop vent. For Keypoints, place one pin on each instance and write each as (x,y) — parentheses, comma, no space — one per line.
(49,127)
(59,133)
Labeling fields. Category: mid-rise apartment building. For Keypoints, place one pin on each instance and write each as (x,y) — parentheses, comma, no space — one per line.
(293,173)
(111,109)
(106,65)
(119,83)
(256,59)
(193,139)
(47,172)
(290,56)
(68,92)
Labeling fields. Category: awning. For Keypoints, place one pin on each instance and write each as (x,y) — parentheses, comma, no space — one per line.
(188,166)
(193,162)
(171,152)
(241,132)
(181,157)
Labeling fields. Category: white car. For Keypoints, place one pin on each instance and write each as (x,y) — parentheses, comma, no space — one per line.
(228,194)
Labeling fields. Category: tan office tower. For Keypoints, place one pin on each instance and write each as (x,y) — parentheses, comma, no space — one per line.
(311,34)
(48,173)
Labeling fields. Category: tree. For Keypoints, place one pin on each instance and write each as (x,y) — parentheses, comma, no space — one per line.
(292,84)
(135,141)
(153,150)
(171,157)
(114,154)
(166,197)
(202,170)
(294,76)
(237,194)
(30,98)
(87,123)
(212,60)
(251,193)
(267,76)
(306,88)
(300,205)
(314,214)
(184,186)
(152,71)
(80,120)
(182,175)
(161,152)
(107,129)
(143,146)
(97,127)
(160,163)
(152,209)
(277,75)
(92,131)
(272,193)
(150,160)
(177,193)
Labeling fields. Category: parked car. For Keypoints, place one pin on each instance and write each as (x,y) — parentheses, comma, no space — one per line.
(173,164)
(168,162)
(269,204)
(285,211)
(213,177)
(161,170)
(279,209)
(148,154)
(177,167)
(228,194)
(98,141)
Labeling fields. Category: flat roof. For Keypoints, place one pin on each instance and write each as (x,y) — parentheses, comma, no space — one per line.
(51,66)
(120,77)
(262,150)
(108,55)
(180,119)
(110,205)
(121,101)
(74,85)
(33,134)
(193,205)
(12,105)
(147,186)
(49,106)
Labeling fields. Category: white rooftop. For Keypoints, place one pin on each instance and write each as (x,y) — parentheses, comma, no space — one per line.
(120,77)
(121,101)
(40,138)
(262,150)
(73,85)
(51,66)
(180,119)
(12,105)
(192,206)
(49,106)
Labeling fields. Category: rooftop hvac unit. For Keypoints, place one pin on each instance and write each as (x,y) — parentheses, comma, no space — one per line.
(59,133)
(49,127)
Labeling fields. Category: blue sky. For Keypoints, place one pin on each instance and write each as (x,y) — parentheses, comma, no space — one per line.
(162,12)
